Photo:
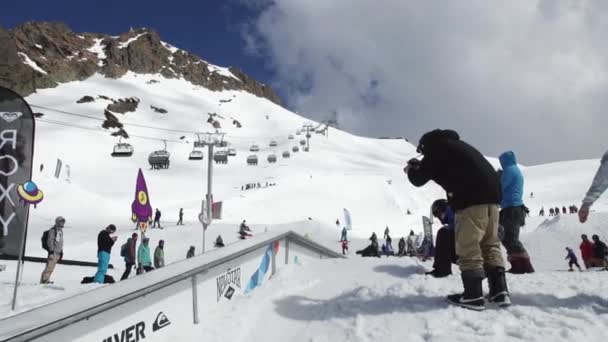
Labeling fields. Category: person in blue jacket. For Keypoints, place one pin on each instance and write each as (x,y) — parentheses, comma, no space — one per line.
(572,259)
(513,214)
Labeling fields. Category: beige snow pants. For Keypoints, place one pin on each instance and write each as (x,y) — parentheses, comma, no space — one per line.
(477,243)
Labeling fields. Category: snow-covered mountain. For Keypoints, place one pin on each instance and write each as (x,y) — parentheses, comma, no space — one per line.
(309,192)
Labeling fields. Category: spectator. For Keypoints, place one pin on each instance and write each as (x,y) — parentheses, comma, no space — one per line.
(159,254)
(54,242)
(105,241)
(143,257)
(129,252)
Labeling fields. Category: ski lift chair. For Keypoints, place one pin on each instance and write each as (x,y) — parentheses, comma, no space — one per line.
(302,142)
(273,143)
(290,137)
(122,149)
(286,154)
(254,148)
(196,155)
(160,159)
(252,160)
(295,149)
(272,158)
(220,157)
(232,152)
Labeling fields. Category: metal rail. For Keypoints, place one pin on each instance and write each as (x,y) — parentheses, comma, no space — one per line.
(21,328)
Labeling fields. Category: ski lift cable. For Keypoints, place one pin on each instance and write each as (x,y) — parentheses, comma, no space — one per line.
(103,131)
(278,136)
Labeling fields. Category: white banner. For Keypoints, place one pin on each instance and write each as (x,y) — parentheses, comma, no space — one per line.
(347,221)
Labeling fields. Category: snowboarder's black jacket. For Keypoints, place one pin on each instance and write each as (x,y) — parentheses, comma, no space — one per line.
(104,241)
(463,172)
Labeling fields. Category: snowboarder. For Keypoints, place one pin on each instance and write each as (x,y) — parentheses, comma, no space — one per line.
(244,230)
(401,245)
(344,235)
(374,237)
(190,253)
(219,242)
(597,188)
(586,247)
(143,257)
(445,253)
(180,222)
(599,252)
(371,250)
(157,216)
(159,254)
(513,215)
(54,243)
(571,257)
(128,252)
(105,241)
(473,190)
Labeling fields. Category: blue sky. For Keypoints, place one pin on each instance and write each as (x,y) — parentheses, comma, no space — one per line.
(211,29)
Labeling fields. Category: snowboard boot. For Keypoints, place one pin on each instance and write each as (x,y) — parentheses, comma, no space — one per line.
(499,293)
(520,264)
(472,297)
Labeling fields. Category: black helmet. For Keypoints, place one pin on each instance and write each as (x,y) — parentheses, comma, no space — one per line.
(439,206)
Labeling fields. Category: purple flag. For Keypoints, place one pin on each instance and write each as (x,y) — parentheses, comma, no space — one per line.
(141,208)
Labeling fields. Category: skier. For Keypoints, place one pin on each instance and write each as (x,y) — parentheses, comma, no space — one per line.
(338,223)
(513,214)
(564,210)
(157,216)
(597,188)
(386,232)
(599,253)
(104,247)
(445,253)
(180,222)
(551,212)
(473,190)
(572,260)
(190,253)
(586,248)
(401,245)
(219,242)
(54,242)
(343,236)
(542,212)
(557,212)
(143,257)
(159,254)
(128,251)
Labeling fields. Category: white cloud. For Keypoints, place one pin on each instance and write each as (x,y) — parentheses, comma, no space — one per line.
(524,75)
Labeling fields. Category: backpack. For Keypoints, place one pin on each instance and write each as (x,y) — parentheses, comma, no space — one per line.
(45,240)
(123,249)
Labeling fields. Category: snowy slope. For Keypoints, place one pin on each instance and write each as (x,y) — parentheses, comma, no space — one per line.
(349,300)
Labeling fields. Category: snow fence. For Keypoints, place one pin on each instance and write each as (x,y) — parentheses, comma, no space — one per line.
(168,303)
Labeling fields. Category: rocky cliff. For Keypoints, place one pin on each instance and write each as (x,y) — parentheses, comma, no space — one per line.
(39,55)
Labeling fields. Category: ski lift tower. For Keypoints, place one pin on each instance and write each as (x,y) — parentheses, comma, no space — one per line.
(210,140)
(308,128)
